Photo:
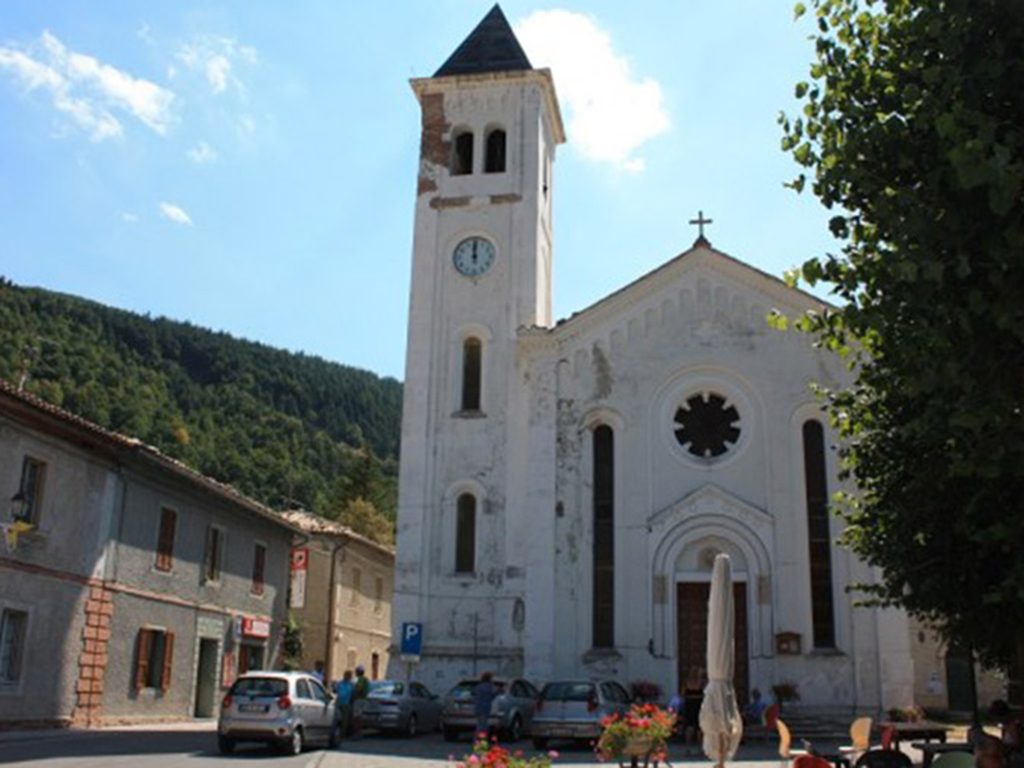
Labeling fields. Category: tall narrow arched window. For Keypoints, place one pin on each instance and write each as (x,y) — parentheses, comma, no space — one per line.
(819,541)
(495,158)
(604,537)
(462,153)
(472,353)
(465,533)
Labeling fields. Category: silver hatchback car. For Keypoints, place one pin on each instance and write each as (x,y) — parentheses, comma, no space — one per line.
(573,709)
(286,709)
(511,711)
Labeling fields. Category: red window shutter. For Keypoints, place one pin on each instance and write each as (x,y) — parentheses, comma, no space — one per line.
(143,648)
(165,675)
(165,543)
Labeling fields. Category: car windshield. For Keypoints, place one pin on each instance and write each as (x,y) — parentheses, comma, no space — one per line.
(567,691)
(259,686)
(385,689)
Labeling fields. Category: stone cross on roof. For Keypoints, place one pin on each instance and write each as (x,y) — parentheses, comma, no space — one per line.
(700,221)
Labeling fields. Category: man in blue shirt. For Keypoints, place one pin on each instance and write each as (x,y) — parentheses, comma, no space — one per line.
(483,696)
(344,689)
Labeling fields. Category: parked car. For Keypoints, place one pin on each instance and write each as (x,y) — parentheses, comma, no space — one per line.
(287,709)
(573,709)
(391,705)
(511,711)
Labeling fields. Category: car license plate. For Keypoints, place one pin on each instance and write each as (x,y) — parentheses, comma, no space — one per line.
(252,707)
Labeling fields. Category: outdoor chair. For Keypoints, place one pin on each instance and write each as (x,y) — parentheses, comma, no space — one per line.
(860,738)
(883,758)
(954,760)
(785,739)
(811,761)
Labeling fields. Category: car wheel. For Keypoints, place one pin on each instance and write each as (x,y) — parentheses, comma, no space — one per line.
(335,738)
(293,746)
(539,742)
(515,729)
(410,727)
(225,745)
(450,734)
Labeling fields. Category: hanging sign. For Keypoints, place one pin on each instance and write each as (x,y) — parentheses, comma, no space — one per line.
(298,568)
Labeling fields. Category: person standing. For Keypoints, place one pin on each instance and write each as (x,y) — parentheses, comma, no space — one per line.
(344,689)
(483,696)
(318,671)
(360,690)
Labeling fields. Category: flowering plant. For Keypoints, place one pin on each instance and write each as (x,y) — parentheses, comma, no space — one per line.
(488,754)
(646,725)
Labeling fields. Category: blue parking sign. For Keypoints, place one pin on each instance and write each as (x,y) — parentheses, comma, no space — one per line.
(412,638)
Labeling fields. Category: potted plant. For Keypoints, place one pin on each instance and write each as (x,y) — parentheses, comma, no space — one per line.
(642,733)
(489,754)
(785,691)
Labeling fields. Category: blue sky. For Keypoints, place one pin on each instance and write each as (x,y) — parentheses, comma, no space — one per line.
(250,166)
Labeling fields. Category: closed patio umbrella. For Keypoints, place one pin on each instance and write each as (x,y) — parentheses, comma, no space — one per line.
(719,716)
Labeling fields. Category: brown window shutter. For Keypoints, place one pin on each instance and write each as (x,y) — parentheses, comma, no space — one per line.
(143,647)
(165,544)
(165,676)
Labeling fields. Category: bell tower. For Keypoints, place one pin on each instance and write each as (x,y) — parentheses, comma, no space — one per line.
(481,271)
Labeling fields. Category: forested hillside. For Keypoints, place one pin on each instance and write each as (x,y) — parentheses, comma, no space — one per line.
(287,429)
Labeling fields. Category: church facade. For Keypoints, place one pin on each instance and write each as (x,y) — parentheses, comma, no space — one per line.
(565,487)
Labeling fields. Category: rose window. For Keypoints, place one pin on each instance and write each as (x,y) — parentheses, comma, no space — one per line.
(707,425)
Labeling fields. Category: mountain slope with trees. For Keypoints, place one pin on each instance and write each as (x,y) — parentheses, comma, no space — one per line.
(286,428)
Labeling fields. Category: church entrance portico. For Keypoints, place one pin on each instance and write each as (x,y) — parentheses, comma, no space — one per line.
(685,538)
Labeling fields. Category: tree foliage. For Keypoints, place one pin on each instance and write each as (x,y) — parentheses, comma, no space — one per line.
(912,131)
(287,429)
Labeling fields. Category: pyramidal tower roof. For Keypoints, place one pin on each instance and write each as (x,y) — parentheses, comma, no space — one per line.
(491,47)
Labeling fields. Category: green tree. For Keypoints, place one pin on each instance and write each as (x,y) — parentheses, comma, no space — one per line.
(912,131)
(361,516)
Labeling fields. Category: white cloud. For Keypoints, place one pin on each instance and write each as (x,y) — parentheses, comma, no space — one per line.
(174,213)
(611,112)
(215,58)
(202,153)
(87,90)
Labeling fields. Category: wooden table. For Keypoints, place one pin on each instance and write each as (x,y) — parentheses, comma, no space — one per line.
(922,730)
(929,749)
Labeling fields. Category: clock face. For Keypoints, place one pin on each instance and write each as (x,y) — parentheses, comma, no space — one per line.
(473,256)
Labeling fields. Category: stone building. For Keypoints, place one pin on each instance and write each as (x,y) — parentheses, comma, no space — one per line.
(341,596)
(566,485)
(132,588)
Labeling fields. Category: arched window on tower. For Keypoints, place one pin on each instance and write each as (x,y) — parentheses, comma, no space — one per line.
(604,537)
(465,533)
(495,158)
(462,153)
(472,354)
(819,541)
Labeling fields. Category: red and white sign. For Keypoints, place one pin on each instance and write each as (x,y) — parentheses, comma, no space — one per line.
(253,627)
(299,566)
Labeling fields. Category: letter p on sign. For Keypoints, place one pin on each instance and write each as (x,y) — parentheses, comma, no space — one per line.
(412,638)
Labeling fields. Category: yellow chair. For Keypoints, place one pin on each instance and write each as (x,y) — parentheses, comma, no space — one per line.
(785,739)
(860,738)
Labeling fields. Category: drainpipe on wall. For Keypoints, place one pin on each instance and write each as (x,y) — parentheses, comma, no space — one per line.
(331,611)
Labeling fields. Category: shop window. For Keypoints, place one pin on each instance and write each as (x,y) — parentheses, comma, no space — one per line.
(154,655)
(465,534)
(462,153)
(165,539)
(12,644)
(259,563)
(495,159)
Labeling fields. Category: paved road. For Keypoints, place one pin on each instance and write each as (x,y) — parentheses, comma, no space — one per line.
(194,746)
